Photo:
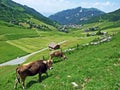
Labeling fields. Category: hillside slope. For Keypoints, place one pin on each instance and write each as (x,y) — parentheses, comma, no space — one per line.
(20,30)
(20,15)
(73,16)
(91,68)
(112,17)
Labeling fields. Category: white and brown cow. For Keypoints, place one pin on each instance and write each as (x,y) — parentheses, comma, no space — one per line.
(31,69)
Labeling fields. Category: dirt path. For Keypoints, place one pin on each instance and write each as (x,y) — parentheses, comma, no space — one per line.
(23,59)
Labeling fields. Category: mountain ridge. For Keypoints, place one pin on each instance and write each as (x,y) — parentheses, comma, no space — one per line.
(112,17)
(75,15)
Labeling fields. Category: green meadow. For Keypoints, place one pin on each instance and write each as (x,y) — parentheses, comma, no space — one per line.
(22,41)
(93,67)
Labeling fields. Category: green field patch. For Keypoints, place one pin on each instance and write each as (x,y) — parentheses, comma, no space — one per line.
(33,44)
(113,30)
(42,23)
(68,44)
(12,33)
(8,52)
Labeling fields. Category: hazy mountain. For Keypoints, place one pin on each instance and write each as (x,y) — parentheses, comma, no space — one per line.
(73,16)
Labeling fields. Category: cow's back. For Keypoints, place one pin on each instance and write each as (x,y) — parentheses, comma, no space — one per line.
(31,68)
(38,67)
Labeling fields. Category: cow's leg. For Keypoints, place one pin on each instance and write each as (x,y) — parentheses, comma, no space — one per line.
(23,83)
(16,82)
(40,78)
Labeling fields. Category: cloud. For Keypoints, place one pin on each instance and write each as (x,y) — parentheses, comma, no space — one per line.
(106,6)
(96,4)
(48,7)
(107,3)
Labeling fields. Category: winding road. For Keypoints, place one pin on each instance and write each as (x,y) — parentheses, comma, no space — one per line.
(23,58)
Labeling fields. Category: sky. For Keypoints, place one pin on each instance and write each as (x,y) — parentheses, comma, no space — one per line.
(49,7)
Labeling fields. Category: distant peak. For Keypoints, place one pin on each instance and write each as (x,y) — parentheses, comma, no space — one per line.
(75,15)
(78,7)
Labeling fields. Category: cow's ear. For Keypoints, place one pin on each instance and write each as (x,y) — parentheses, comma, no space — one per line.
(44,62)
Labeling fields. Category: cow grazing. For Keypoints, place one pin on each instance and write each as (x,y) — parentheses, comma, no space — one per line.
(31,69)
(57,54)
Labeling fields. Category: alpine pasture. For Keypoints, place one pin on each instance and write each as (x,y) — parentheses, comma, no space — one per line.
(91,67)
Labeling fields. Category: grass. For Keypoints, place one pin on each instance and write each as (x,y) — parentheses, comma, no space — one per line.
(33,44)
(28,40)
(7,33)
(8,52)
(41,23)
(12,33)
(92,68)
(68,44)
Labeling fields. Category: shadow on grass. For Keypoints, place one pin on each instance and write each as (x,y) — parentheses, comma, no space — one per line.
(28,85)
(59,60)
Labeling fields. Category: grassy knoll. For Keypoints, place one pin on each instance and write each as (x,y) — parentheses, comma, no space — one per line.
(92,68)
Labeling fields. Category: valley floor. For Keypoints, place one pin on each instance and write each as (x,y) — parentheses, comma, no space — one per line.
(20,60)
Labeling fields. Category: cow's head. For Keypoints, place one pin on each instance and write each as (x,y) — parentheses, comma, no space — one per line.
(49,64)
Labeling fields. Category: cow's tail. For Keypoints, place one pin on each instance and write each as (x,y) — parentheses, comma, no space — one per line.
(17,75)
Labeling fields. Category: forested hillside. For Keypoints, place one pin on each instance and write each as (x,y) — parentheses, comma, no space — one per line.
(75,15)
(112,17)
(15,13)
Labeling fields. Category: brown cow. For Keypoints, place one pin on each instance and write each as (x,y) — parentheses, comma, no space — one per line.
(31,69)
(57,54)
